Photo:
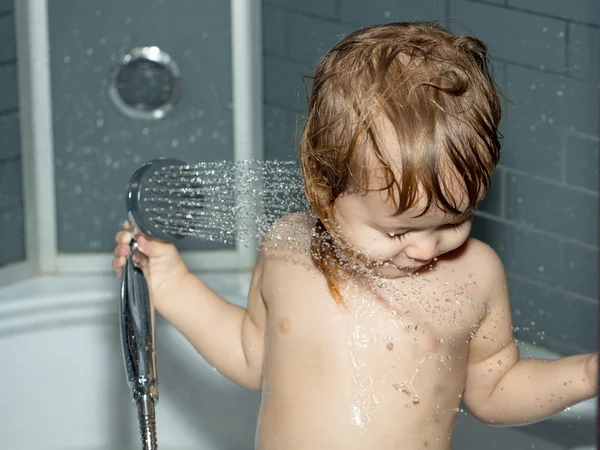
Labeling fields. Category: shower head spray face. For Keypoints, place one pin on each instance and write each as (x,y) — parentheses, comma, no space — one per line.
(229,202)
(140,201)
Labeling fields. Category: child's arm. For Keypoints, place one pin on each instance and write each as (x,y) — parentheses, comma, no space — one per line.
(229,337)
(503,390)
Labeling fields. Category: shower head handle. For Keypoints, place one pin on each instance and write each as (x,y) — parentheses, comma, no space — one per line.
(137,330)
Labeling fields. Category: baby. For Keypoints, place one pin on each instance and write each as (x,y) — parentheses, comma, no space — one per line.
(383,315)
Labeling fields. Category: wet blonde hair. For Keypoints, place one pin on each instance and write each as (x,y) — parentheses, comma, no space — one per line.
(433,89)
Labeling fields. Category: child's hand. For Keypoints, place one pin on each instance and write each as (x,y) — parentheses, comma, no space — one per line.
(160,261)
(591,371)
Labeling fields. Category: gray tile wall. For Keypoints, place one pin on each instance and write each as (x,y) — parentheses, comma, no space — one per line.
(12,241)
(541,215)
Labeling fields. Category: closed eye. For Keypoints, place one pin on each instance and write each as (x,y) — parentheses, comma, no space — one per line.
(397,236)
(455,226)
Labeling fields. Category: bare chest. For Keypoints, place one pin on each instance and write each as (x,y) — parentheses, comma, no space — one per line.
(436,310)
(430,315)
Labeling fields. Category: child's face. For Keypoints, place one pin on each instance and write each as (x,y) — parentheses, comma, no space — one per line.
(397,245)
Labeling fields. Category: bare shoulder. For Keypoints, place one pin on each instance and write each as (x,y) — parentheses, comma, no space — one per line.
(289,236)
(478,252)
(478,261)
(287,263)
(484,257)
(286,249)
(474,254)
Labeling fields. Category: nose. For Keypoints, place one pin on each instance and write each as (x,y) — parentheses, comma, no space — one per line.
(422,251)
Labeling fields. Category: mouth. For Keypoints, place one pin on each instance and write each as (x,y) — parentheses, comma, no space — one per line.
(422,264)
(386,268)
(393,270)
(389,268)
(416,265)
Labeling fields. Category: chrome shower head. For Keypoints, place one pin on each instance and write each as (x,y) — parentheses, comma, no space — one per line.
(136,312)
(140,201)
(229,202)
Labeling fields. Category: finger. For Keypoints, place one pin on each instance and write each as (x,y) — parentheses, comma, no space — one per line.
(119,236)
(118,263)
(127,224)
(121,250)
(123,237)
